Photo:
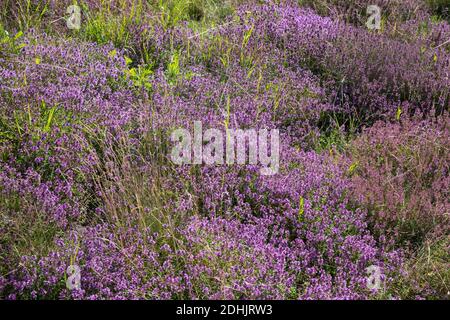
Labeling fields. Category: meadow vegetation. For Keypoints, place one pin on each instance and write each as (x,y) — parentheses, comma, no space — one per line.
(86,177)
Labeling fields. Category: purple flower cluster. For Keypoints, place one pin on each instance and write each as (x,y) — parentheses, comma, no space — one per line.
(215,259)
(306,210)
(86,180)
(401,173)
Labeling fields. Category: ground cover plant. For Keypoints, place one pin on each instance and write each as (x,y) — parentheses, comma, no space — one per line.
(100,199)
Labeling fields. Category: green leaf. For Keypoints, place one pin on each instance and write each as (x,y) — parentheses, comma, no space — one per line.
(352,167)
(133,72)
(113,53)
(50,119)
(18,35)
(128,61)
(19,128)
(398,114)
(301,207)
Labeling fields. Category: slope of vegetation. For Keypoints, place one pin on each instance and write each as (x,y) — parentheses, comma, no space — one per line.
(86,177)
